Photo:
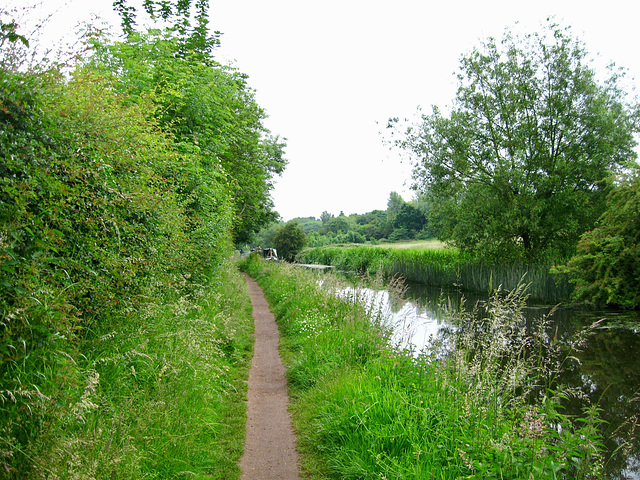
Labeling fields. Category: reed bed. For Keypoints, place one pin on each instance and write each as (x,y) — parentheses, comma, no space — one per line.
(443,267)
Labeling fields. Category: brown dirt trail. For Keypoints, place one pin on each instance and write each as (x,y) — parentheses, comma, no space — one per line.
(270,444)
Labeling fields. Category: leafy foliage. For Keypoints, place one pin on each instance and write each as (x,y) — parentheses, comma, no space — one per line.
(8,32)
(120,188)
(178,16)
(522,164)
(340,224)
(211,111)
(289,240)
(364,409)
(606,267)
(401,221)
(95,219)
(409,221)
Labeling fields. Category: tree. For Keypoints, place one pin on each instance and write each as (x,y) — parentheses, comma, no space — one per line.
(326,216)
(411,219)
(192,40)
(522,164)
(394,204)
(212,113)
(337,225)
(606,267)
(309,224)
(289,240)
(373,225)
(267,234)
(423,204)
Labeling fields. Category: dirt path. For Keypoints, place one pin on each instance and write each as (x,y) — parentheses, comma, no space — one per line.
(270,444)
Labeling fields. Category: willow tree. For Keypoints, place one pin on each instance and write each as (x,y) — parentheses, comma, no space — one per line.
(522,163)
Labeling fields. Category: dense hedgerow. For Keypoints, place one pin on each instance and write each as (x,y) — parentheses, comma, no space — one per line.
(606,266)
(97,225)
(122,330)
(479,404)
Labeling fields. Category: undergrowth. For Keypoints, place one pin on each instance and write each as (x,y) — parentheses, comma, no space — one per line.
(480,403)
(123,339)
(160,394)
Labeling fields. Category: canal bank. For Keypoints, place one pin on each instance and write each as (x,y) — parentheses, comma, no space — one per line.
(605,372)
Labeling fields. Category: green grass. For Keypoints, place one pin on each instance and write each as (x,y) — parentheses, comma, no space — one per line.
(415,244)
(364,410)
(443,267)
(159,395)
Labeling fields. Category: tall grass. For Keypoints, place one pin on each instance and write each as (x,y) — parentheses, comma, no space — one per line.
(443,267)
(159,394)
(474,406)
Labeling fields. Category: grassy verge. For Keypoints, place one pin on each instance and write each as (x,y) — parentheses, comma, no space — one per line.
(160,395)
(442,267)
(415,244)
(476,411)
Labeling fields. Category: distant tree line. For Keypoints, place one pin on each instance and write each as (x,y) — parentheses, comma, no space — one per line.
(402,220)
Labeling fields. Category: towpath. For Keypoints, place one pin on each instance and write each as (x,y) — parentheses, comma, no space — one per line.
(270,444)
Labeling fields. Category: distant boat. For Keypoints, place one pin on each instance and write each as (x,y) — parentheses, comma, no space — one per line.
(269,254)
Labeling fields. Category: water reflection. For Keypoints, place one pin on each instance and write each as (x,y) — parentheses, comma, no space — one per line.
(607,374)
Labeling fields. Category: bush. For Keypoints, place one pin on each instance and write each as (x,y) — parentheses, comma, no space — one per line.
(97,222)
(606,267)
(289,240)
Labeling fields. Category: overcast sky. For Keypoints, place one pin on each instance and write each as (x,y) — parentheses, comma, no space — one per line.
(329,74)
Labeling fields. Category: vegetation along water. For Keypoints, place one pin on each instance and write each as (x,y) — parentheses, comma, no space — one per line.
(130,167)
(606,373)
(444,267)
(488,408)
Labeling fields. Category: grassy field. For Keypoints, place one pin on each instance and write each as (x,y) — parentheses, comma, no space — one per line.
(415,245)
(364,410)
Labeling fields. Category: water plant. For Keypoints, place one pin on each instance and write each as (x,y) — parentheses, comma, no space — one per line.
(443,267)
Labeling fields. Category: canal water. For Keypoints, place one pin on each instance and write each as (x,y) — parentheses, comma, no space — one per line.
(608,371)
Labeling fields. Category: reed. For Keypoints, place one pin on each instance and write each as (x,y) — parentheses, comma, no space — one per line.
(444,267)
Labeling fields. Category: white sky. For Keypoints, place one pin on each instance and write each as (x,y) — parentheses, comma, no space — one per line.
(329,74)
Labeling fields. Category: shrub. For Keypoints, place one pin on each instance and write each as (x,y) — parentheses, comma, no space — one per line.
(606,266)
(96,223)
